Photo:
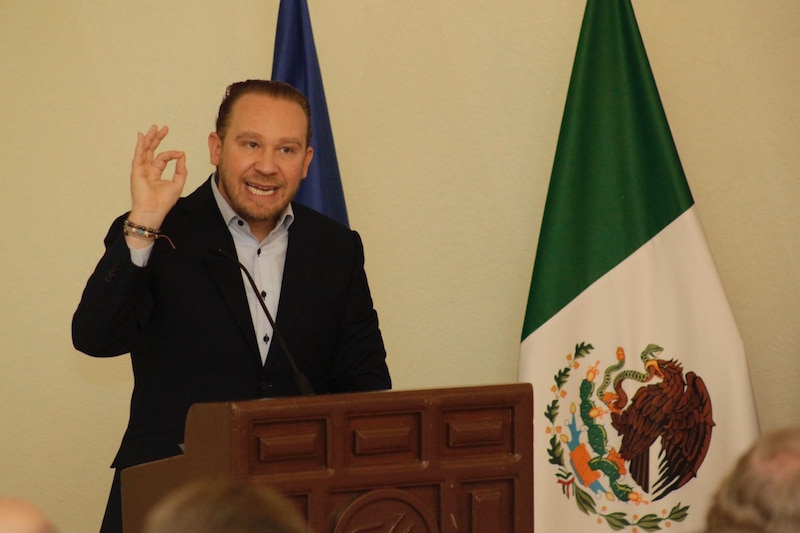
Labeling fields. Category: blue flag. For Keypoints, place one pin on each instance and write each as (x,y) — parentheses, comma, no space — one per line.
(295,62)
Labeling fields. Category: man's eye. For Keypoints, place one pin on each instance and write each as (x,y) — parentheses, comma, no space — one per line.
(252,144)
(286,150)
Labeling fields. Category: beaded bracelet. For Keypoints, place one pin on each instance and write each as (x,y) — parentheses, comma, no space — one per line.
(143,232)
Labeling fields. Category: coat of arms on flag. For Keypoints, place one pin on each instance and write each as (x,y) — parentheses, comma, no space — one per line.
(607,434)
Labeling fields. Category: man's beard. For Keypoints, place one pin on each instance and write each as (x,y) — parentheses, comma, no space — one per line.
(248,210)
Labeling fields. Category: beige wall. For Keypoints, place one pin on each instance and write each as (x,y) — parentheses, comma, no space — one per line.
(445,113)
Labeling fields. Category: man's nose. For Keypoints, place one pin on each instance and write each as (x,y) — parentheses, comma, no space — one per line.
(266,163)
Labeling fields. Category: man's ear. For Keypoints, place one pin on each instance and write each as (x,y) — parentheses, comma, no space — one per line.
(309,157)
(214,148)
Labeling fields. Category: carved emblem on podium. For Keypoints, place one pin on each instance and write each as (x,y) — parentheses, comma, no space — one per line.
(386,511)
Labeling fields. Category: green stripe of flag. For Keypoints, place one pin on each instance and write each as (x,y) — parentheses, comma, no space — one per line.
(617,179)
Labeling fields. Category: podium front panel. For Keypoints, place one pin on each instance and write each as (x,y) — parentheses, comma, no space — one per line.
(441,460)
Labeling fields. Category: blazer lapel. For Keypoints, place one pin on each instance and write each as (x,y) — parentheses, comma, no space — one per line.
(298,270)
(211,234)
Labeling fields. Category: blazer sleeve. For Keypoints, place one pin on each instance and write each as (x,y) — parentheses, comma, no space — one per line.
(360,360)
(115,302)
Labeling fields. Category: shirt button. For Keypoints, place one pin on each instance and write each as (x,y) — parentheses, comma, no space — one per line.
(265,385)
(240,222)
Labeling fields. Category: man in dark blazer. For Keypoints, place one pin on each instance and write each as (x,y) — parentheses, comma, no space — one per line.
(169,291)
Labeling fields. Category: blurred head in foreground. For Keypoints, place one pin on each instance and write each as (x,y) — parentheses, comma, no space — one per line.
(19,516)
(224,507)
(762,493)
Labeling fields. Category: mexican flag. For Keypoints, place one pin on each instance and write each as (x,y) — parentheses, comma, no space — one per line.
(642,396)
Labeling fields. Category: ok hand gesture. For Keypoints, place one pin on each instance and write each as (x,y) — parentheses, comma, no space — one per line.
(152,197)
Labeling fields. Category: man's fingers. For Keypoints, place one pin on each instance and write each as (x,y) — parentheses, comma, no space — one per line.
(180,170)
(150,166)
(152,140)
(138,151)
(144,143)
(147,143)
(161,160)
(160,134)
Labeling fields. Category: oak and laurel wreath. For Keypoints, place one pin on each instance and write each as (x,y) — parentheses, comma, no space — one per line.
(585,502)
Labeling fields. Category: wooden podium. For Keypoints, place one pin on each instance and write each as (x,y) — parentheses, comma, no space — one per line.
(442,460)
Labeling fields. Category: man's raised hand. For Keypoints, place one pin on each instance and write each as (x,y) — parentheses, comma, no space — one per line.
(152,196)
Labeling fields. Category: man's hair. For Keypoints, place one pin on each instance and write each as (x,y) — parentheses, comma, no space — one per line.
(762,493)
(224,506)
(275,89)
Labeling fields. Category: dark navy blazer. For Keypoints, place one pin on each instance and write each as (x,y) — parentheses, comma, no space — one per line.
(185,321)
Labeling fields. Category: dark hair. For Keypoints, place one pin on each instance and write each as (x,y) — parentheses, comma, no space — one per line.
(275,89)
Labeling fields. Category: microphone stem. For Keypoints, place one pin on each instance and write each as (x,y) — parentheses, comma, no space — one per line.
(300,379)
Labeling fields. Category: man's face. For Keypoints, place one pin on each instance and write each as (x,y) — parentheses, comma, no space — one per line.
(262,159)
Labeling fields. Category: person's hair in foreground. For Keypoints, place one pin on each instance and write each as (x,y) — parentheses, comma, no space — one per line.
(224,507)
(762,493)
